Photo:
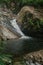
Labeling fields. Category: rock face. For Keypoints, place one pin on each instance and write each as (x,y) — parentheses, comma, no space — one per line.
(6,29)
(28,9)
(35,56)
(30,21)
(27,27)
(7,34)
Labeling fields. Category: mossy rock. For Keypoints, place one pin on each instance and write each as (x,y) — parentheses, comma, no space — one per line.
(32,27)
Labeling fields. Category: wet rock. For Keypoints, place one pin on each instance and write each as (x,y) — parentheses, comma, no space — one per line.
(6,31)
(36,57)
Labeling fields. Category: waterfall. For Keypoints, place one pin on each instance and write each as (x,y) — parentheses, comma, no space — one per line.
(15,25)
(17,28)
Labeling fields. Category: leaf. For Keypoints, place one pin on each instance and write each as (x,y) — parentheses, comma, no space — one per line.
(1,62)
(5,58)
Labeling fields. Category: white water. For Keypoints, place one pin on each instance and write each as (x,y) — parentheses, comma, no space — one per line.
(15,25)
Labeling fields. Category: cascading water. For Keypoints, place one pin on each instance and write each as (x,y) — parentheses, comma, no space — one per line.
(16,27)
(23,45)
(18,30)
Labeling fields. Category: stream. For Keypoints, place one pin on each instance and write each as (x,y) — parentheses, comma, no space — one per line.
(23,45)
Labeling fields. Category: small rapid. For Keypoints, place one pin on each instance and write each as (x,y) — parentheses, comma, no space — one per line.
(23,45)
(18,30)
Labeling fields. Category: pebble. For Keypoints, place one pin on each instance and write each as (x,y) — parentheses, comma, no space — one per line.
(31,63)
(36,63)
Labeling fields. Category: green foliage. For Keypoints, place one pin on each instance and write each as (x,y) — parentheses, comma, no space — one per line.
(32,24)
(1,62)
(4,58)
(30,2)
(27,2)
(1,1)
(20,3)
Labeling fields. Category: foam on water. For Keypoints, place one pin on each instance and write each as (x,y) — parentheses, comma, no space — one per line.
(15,25)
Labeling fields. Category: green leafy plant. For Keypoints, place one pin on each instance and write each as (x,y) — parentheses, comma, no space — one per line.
(28,2)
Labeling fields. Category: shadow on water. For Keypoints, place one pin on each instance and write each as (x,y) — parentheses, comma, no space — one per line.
(23,46)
